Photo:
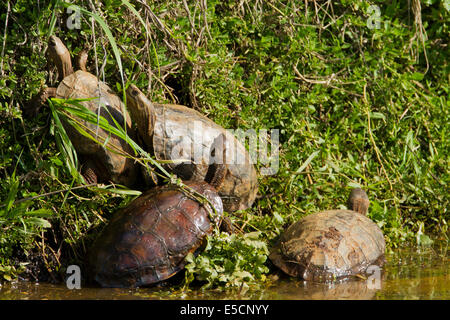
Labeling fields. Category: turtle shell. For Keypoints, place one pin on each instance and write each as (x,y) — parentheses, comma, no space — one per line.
(147,241)
(329,245)
(111,166)
(185,136)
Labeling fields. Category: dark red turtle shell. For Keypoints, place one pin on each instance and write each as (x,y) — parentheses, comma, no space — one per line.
(147,241)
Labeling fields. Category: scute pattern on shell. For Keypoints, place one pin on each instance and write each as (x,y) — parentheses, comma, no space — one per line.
(113,167)
(328,245)
(183,133)
(147,241)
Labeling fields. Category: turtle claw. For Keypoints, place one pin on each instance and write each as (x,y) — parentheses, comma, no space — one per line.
(227,226)
(150,178)
(89,175)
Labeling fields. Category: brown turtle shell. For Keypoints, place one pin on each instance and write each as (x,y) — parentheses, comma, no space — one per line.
(110,165)
(147,241)
(329,245)
(181,133)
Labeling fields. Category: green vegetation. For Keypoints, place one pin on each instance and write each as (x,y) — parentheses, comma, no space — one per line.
(354,104)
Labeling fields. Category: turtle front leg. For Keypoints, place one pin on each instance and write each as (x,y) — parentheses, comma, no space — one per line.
(227,226)
(150,177)
(31,109)
(89,171)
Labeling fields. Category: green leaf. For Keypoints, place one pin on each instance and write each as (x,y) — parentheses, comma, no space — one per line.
(13,187)
(7,277)
(65,144)
(39,213)
(308,161)
(377,115)
(38,222)
(117,191)
(424,240)
(417,76)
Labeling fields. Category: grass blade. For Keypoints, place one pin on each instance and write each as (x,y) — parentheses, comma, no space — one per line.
(308,161)
(109,35)
(136,13)
(53,19)
(64,144)
(73,111)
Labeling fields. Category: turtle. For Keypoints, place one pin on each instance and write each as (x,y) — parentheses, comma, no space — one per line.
(330,245)
(146,242)
(99,163)
(180,138)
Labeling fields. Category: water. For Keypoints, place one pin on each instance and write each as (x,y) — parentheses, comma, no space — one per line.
(409,273)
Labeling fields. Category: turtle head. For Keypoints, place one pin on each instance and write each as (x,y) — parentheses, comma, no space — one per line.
(142,113)
(358,201)
(59,55)
(134,94)
(81,60)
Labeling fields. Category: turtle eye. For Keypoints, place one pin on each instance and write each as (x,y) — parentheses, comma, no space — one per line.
(135,92)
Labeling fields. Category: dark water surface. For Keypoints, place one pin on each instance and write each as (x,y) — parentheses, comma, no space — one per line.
(409,273)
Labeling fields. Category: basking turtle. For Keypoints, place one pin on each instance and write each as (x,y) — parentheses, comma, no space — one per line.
(184,136)
(99,163)
(147,241)
(331,244)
